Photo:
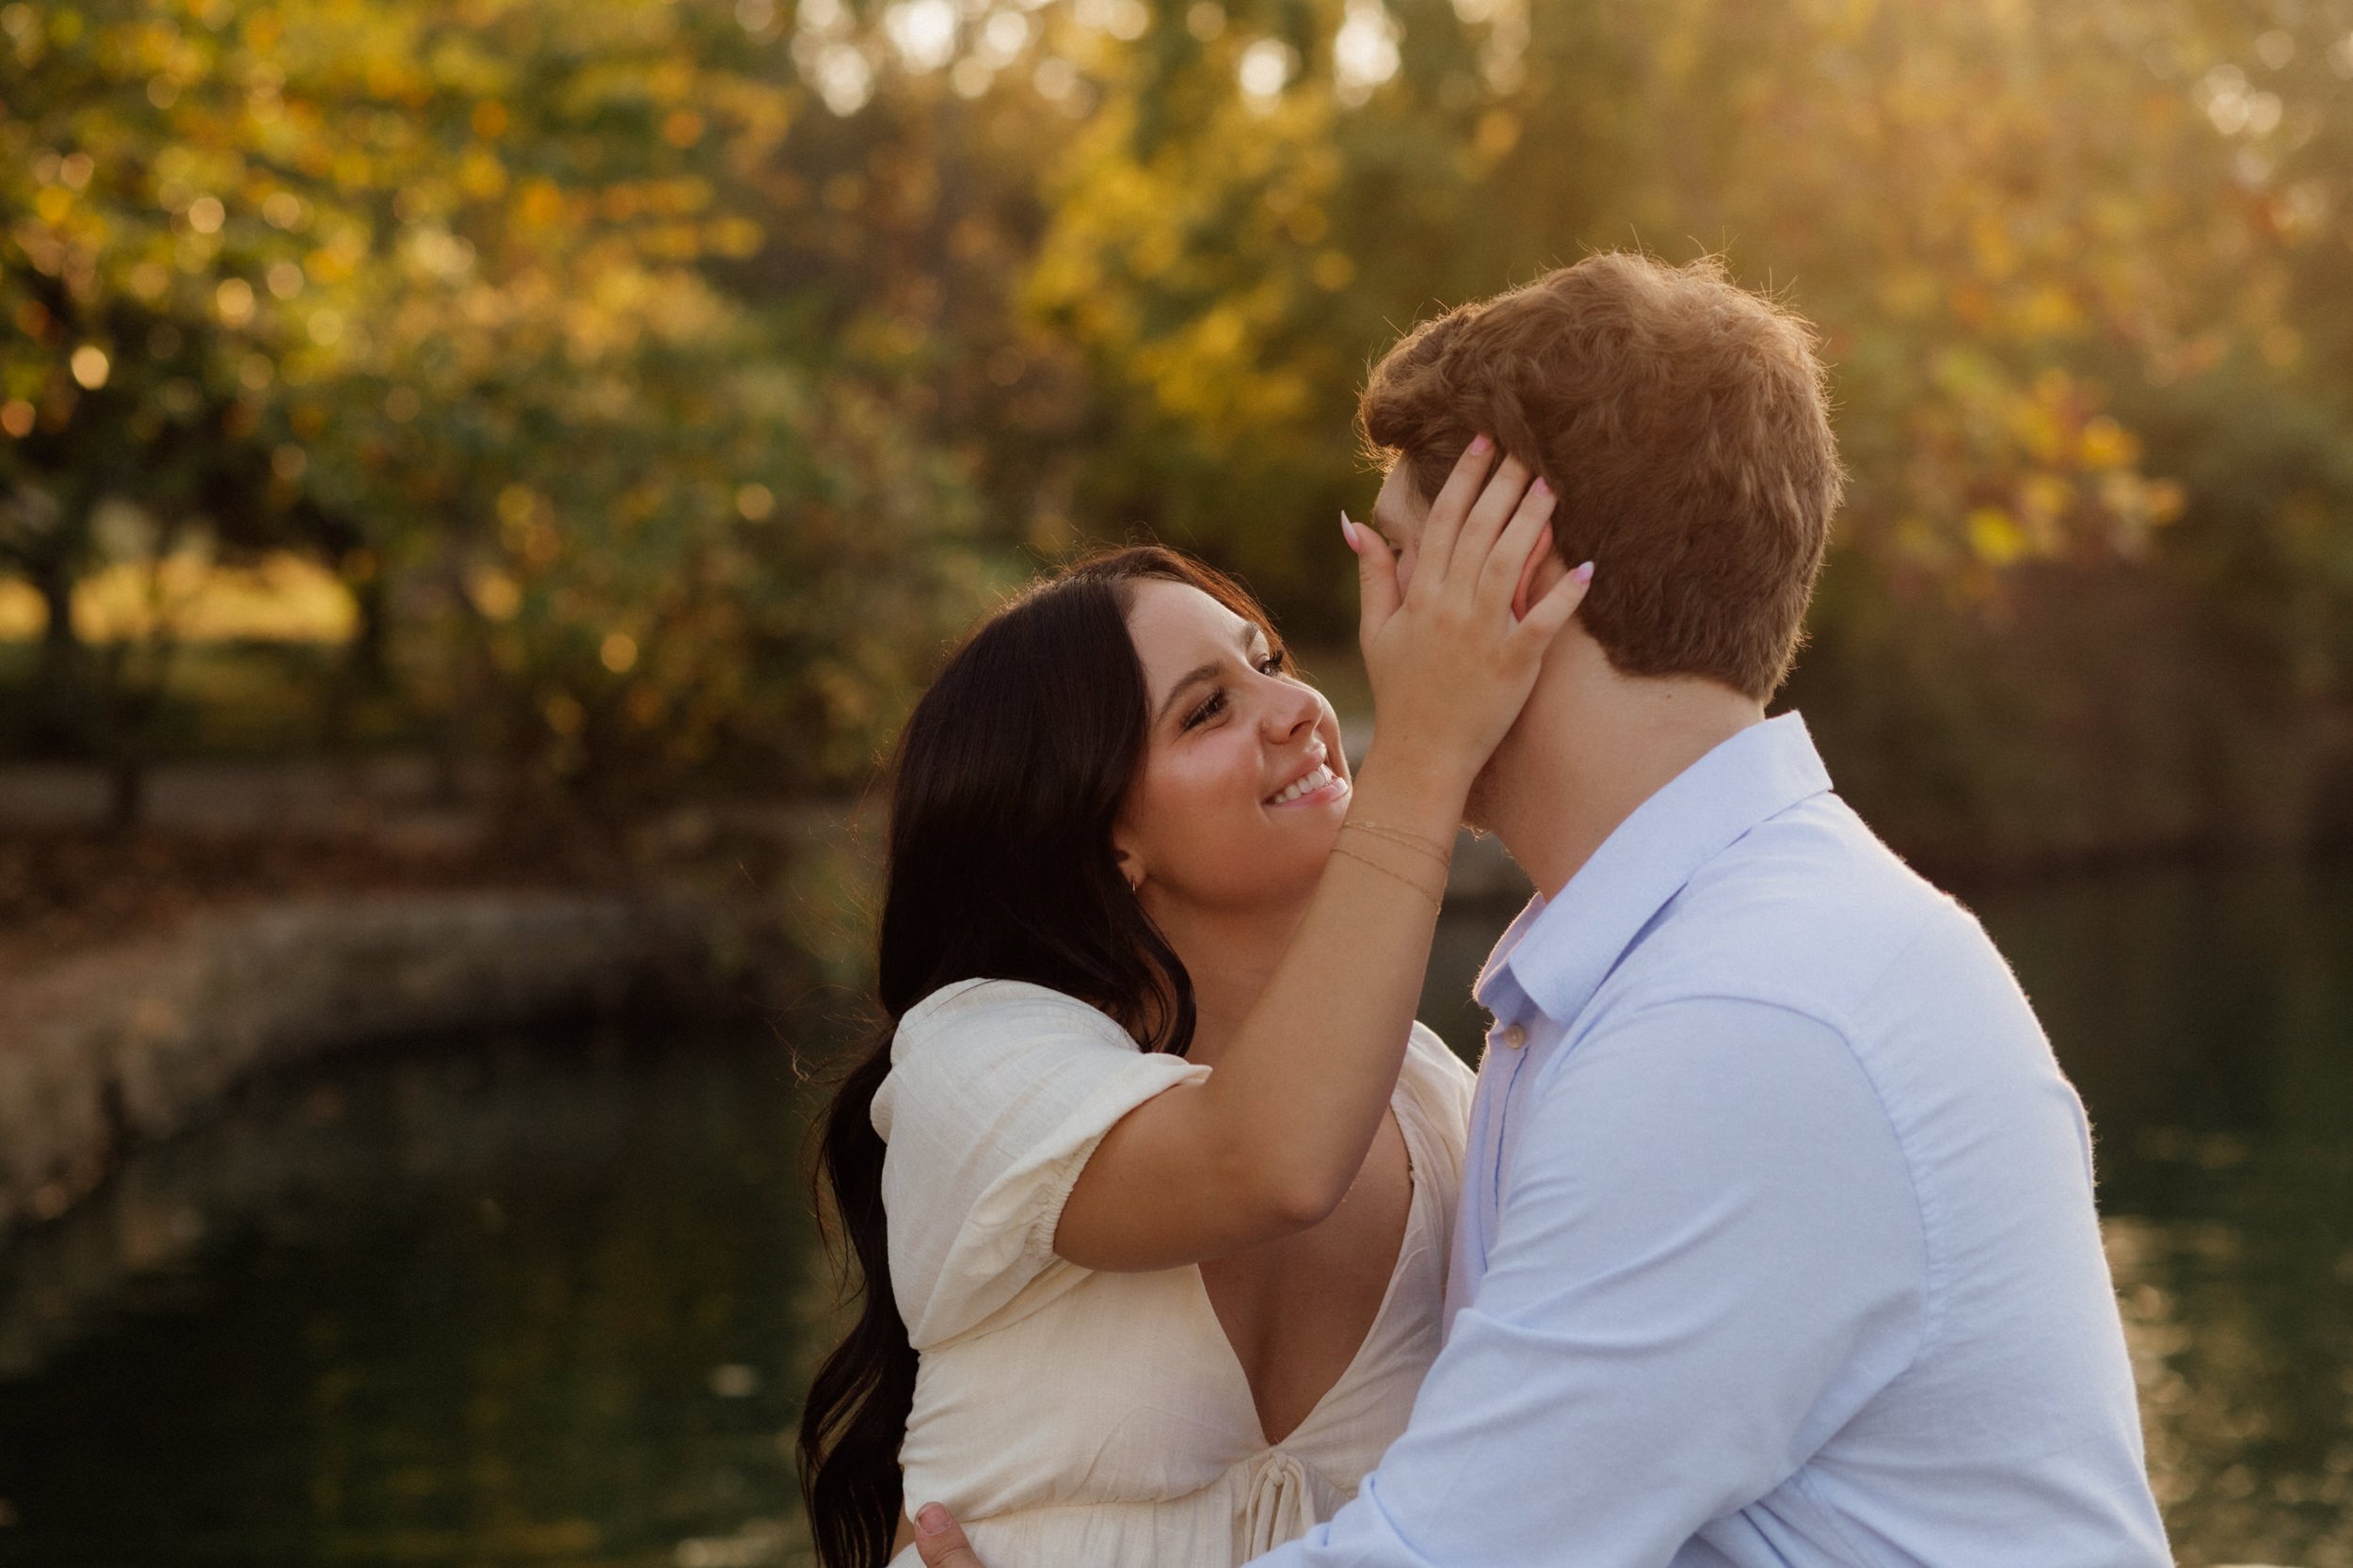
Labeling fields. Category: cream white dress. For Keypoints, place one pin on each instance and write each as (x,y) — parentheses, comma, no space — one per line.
(1070,1418)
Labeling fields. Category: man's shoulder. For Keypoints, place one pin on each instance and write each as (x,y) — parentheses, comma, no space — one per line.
(1811,911)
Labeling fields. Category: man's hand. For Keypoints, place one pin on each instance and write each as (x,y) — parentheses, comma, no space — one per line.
(940,1540)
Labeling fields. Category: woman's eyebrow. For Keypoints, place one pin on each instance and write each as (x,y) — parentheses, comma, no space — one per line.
(1203,672)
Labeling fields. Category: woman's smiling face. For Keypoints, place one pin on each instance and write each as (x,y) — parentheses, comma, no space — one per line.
(1243,786)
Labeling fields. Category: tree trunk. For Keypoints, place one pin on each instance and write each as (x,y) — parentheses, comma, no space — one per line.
(59,705)
(368,656)
(364,669)
(126,791)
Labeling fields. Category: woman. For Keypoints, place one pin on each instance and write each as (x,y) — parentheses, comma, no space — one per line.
(1119,1307)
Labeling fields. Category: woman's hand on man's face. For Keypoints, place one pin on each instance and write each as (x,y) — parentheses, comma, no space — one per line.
(1453,653)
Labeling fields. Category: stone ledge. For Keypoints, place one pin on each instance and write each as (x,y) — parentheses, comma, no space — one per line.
(131,1042)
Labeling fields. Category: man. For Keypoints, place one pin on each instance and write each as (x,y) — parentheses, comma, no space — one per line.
(1777,1244)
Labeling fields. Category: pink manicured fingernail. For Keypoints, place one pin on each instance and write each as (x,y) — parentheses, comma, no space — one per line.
(1347,532)
(1481,444)
(1540,487)
(1583,574)
(932,1520)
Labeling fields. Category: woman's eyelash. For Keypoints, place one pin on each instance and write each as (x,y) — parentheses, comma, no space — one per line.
(1215,703)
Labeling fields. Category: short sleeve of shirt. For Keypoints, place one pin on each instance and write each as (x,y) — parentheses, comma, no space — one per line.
(1440,1088)
(998,1094)
(1437,1077)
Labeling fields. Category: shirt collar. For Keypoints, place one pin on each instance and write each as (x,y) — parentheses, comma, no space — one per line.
(1558,954)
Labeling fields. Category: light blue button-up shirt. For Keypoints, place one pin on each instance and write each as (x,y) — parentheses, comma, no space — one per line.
(1776,1244)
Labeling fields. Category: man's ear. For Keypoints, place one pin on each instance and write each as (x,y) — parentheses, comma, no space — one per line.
(1543,568)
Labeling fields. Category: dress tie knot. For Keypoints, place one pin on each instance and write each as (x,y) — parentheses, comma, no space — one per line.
(1280,1503)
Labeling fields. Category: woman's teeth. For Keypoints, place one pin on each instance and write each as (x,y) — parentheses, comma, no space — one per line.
(1315,780)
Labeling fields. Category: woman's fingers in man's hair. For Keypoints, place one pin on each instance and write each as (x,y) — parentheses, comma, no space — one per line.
(1451,505)
(1507,568)
(939,1540)
(1510,490)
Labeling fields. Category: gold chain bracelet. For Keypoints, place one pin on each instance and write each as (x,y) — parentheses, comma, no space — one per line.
(1394,876)
(1442,855)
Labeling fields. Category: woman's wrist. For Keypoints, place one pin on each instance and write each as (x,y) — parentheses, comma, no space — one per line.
(1419,796)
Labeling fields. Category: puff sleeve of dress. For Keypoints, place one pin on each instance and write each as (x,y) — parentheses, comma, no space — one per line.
(998,1094)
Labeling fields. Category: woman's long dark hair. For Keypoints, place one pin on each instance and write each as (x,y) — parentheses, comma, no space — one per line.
(1009,777)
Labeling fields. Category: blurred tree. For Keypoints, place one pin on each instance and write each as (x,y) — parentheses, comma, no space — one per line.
(431,269)
(665,379)
(2033,236)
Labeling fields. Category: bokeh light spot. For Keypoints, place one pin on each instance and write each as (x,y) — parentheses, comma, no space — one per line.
(1265,69)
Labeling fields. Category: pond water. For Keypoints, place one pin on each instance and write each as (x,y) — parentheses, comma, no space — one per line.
(551,1300)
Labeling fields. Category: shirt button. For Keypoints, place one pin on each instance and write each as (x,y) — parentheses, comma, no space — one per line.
(1514,1036)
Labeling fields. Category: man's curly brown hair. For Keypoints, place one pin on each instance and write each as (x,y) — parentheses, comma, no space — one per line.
(1684,425)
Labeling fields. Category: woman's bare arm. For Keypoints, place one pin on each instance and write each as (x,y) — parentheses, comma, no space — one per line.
(1268,1143)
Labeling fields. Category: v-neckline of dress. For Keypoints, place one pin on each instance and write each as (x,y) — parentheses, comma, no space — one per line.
(1239,1374)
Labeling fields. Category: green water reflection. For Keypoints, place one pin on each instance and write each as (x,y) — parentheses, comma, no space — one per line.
(552,1303)
(499,1304)
(2208,1021)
